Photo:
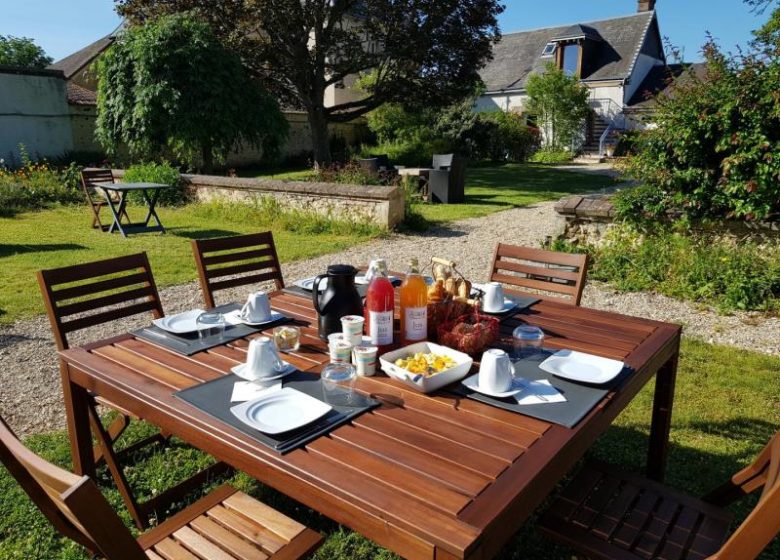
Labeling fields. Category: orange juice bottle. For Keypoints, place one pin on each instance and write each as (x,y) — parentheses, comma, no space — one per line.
(414,305)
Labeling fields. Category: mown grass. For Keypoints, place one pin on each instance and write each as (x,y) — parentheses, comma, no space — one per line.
(492,188)
(727,407)
(62,236)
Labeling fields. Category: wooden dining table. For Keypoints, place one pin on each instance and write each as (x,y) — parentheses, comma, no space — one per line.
(427,476)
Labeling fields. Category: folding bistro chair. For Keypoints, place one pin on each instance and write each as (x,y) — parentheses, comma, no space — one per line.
(227,262)
(226,524)
(89,179)
(610,515)
(95,293)
(548,274)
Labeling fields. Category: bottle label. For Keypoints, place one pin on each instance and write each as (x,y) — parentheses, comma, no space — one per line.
(416,327)
(381,331)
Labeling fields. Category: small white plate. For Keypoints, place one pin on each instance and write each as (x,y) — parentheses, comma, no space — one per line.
(473,384)
(240,370)
(281,411)
(582,367)
(235,318)
(180,323)
(308,284)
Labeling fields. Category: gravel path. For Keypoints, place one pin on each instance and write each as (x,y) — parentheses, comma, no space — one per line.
(31,397)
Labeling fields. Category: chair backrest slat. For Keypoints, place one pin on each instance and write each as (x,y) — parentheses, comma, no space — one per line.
(73,504)
(551,275)
(763,524)
(90,294)
(238,256)
(91,176)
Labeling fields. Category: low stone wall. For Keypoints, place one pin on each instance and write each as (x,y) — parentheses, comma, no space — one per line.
(587,218)
(383,206)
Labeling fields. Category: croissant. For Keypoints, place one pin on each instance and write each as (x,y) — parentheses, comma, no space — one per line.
(464,288)
(451,286)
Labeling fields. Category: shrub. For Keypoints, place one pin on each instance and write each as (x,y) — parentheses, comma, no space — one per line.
(696,267)
(35,186)
(348,174)
(551,156)
(411,152)
(642,204)
(164,173)
(511,139)
(715,152)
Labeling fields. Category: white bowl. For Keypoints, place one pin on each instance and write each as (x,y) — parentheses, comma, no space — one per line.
(418,381)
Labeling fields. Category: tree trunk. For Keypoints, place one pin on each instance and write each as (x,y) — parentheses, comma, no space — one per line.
(320,139)
(208,159)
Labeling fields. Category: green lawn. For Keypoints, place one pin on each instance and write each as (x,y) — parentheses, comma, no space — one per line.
(62,236)
(492,188)
(495,188)
(724,414)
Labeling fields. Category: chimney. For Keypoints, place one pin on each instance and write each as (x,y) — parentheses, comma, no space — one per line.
(646,6)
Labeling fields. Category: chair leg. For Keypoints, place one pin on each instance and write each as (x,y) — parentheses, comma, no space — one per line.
(112,462)
(114,432)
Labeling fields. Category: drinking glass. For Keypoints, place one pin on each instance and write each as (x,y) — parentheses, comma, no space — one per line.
(211,323)
(338,383)
(287,338)
(527,341)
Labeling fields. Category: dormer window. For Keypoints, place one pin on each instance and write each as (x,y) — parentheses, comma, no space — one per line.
(571,59)
(549,49)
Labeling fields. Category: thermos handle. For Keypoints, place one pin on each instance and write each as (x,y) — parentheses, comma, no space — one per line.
(315,293)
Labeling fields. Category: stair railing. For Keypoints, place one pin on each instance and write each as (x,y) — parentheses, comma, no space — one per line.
(603,140)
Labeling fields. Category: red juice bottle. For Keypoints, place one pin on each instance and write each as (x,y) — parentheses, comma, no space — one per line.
(380,304)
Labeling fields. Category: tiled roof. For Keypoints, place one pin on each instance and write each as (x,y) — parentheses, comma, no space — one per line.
(663,79)
(78,95)
(74,63)
(518,55)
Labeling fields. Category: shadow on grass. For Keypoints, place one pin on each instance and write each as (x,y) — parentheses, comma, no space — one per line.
(200,233)
(10,250)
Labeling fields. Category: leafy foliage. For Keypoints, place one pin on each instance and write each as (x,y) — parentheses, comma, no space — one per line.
(22,51)
(170,86)
(551,156)
(696,267)
(418,49)
(37,185)
(163,173)
(560,104)
(411,136)
(716,151)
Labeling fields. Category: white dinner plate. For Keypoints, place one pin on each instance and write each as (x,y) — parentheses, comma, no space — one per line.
(582,367)
(240,370)
(308,284)
(235,318)
(473,384)
(281,411)
(180,323)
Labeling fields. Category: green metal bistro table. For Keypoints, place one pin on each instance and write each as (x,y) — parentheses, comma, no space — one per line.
(150,193)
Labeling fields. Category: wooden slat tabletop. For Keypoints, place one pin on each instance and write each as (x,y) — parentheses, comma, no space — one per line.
(425,476)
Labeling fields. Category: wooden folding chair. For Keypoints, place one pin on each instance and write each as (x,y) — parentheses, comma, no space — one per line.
(226,524)
(610,515)
(89,178)
(90,294)
(548,274)
(227,262)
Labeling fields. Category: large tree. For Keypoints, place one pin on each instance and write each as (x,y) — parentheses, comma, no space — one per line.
(429,51)
(170,86)
(22,51)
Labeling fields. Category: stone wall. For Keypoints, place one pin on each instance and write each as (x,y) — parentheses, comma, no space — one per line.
(381,205)
(588,218)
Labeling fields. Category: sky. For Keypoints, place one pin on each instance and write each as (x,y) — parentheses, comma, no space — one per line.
(62,27)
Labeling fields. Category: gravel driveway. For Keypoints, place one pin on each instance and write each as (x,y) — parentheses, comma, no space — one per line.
(31,397)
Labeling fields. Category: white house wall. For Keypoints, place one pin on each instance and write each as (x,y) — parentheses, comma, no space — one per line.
(33,112)
(503,102)
(643,66)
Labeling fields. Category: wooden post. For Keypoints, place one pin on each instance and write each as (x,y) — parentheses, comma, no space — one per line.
(77,412)
(662,417)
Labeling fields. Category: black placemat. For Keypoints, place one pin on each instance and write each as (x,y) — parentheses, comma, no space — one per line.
(580,398)
(190,343)
(213,398)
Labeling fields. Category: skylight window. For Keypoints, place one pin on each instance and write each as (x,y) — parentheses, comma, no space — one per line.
(549,49)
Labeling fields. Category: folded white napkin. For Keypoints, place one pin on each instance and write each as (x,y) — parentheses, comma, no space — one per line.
(249,390)
(234,317)
(538,392)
